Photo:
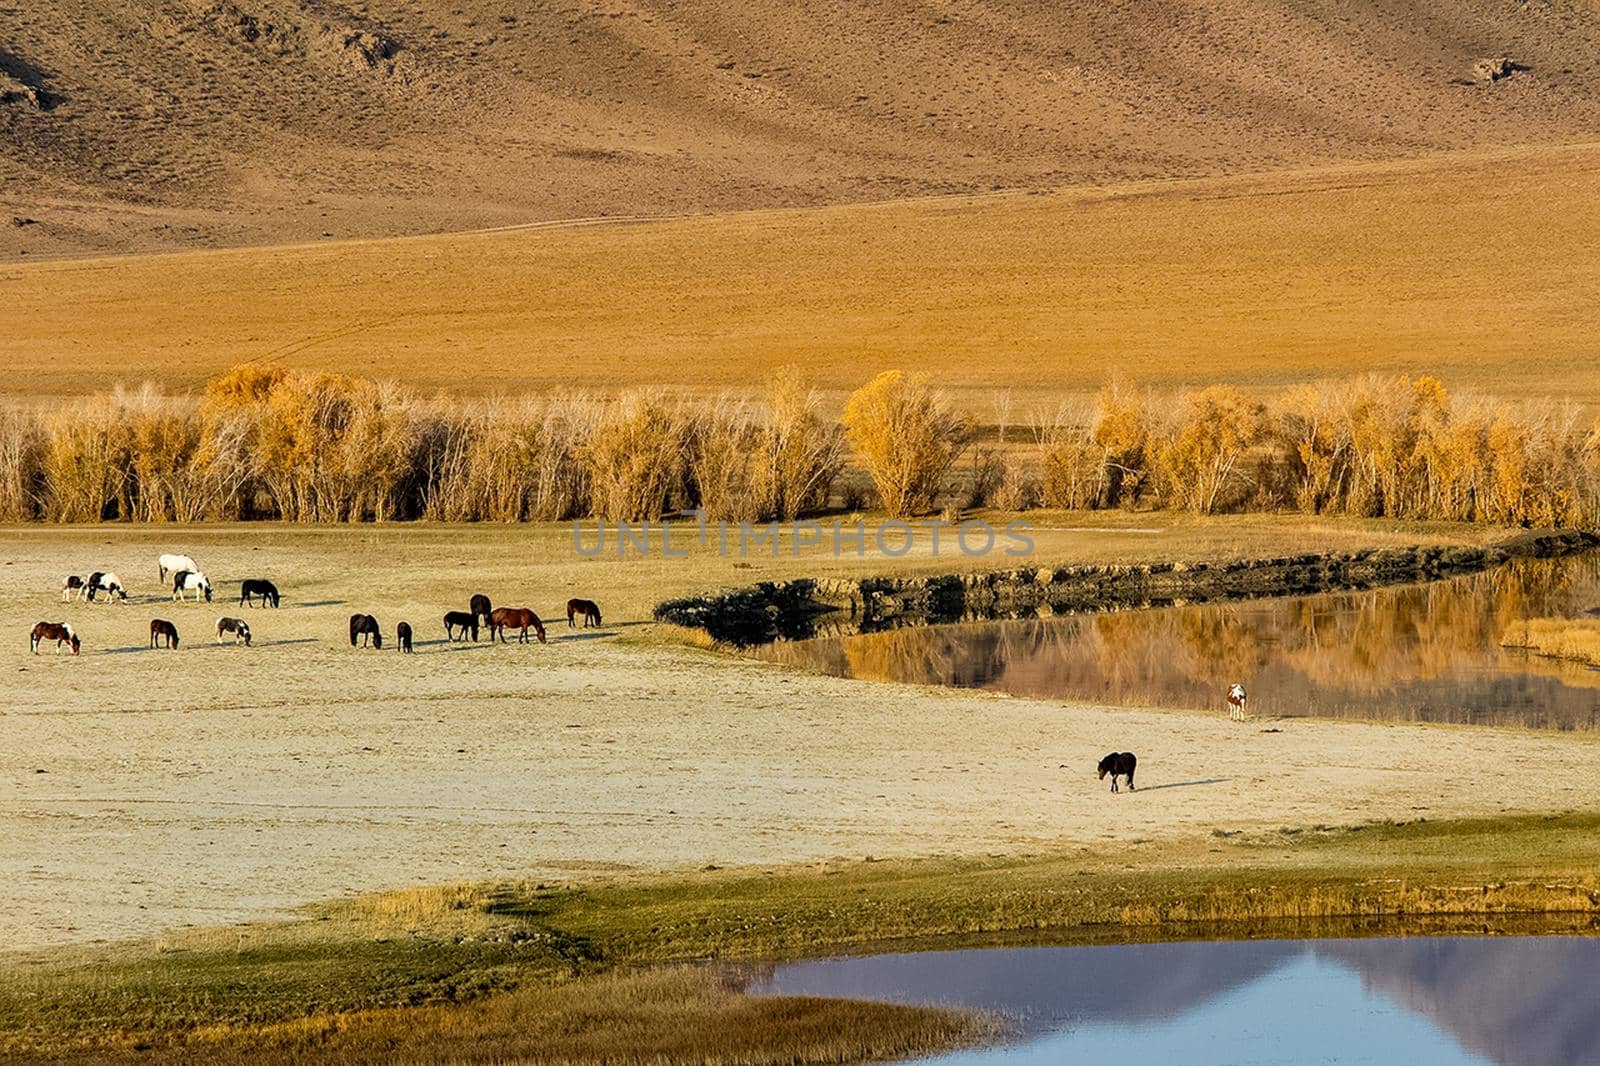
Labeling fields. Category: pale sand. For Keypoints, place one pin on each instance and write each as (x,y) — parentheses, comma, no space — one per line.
(216,784)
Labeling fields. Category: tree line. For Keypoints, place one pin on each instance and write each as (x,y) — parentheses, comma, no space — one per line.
(262,442)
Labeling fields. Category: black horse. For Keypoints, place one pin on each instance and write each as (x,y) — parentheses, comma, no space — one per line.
(1118,763)
(257,586)
(402,634)
(481,608)
(365,626)
(467,623)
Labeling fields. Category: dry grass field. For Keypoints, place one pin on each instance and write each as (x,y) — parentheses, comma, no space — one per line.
(143,790)
(1475,268)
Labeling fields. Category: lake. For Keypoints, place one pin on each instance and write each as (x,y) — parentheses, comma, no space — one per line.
(1427,652)
(1421,1001)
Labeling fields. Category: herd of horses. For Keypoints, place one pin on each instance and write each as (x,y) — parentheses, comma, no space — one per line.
(365,632)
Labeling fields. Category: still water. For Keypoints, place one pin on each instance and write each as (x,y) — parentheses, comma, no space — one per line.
(1445,1001)
(1430,652)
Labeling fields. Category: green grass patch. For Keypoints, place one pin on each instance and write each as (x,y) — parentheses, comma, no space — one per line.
(460,948)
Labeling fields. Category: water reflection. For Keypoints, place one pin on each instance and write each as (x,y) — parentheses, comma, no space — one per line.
(1513,1001)
(1417,652)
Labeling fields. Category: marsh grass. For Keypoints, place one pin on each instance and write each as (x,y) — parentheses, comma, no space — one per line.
(525,972)
(1577,639)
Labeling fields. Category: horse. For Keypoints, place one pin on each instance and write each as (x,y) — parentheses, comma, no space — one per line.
(402,635)
(162,630)
(365,626)
(588,608)
(60,632)
(171,564)
(1118,762)
(73,587)
(1236,698)
(520,618)
(184,580)
(108,583)
(237,626)
(481,608)
(258,586)
(467,623)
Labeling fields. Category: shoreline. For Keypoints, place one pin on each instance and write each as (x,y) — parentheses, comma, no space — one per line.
(803,608)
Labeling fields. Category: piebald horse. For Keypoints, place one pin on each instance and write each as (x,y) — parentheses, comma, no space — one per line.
(60,632)
(238,627)
(73,587)
(1236,698)
(190,581)
(588,608)
(518,618)
(110,584)
(364,627)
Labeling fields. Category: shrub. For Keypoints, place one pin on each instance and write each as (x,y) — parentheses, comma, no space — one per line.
(907,437)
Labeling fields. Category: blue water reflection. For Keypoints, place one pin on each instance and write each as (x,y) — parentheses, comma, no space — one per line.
(1450,1001)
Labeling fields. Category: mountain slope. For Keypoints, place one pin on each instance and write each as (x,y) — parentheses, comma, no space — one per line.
(156,124)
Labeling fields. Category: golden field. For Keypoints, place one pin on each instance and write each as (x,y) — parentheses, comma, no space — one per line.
(1475,268)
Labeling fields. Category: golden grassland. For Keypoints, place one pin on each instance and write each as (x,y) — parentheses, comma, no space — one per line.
(1474,267)
(538,972)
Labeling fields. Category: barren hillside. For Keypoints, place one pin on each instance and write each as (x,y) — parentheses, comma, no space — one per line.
(165,124)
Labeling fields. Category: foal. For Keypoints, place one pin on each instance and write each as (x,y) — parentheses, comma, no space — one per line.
(467,623)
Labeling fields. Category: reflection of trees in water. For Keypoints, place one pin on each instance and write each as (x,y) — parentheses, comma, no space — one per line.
(1429,651)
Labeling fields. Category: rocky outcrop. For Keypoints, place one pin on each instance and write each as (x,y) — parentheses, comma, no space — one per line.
(1496,68)
(805,607)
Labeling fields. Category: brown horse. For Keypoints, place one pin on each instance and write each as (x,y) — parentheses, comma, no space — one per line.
(60,632)
(588,608)
(402,634)
(519,618)
(163,634)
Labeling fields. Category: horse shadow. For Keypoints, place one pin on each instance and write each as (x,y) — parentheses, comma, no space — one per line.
(321,603)
(1185,784)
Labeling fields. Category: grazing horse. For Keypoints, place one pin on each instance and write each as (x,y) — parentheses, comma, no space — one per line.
(60,632)
(467,623)
(171,564)
(163,630)
(519,618)
(237,626)
(186,580)
(110,584)
(402,634)
(1118,763)
(365,627)
(1236,698)
(481,608)
(588,608)
(73,587)
(258,586)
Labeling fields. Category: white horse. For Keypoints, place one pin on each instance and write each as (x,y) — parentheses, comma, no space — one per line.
(1236,698)
(171,564)
(187,580)
(108,583)
(237,626)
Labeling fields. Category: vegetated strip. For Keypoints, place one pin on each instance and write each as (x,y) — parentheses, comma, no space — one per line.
(805,607)
(539,972)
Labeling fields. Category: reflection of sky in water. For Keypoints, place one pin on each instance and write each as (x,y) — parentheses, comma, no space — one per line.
(1429,652)
(1452,1001)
